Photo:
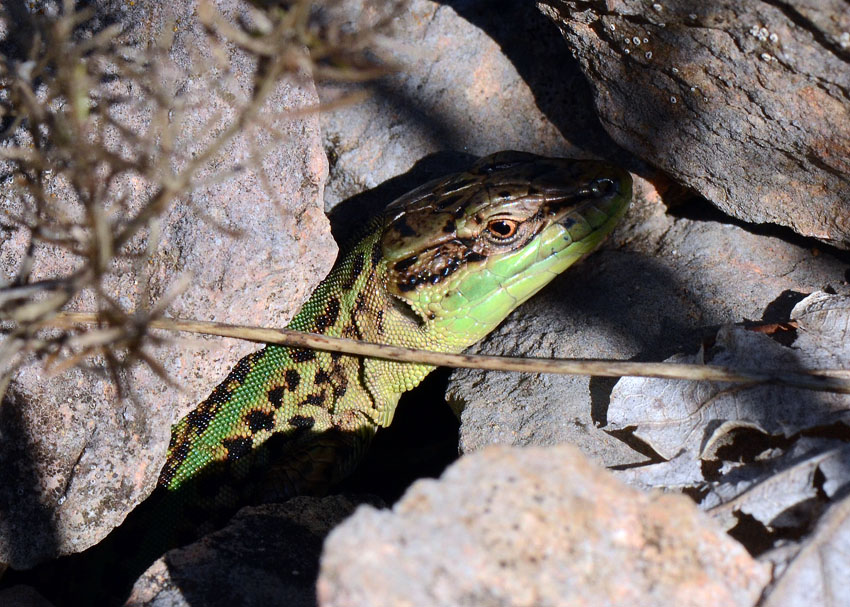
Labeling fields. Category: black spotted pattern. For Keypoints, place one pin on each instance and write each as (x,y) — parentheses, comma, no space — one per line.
(237,447)
(403,227)
(243,367)
(317,399)
(356,269)
(302,422)
(340,388)
(275,396)
(258,420)
(179,448)
(379,322)
(352,331)
(199,419)
(329,317)
(377,254)
(222,392)
(404,264)
(292,378)
(339,380)
(302,355)
(451,256)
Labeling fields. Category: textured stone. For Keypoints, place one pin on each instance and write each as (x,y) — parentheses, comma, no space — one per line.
(267,555)
(744,101)
(656,288)
(22,596)
(534,527)
(474,76)
(75,460)
(816,575)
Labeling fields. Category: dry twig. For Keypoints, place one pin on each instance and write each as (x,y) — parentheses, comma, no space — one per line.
(68,158)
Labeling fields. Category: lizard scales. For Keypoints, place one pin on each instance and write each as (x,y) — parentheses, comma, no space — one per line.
(441,269)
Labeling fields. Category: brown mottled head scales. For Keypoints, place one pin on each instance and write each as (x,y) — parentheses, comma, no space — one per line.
(500,204)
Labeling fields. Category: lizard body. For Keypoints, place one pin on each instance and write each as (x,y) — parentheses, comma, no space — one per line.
(443,267)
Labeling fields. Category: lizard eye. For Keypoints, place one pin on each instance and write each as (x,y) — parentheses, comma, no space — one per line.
(502,230)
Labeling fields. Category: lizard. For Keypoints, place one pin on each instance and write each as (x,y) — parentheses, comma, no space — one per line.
(439,270)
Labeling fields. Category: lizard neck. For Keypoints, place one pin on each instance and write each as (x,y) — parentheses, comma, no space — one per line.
(353,302)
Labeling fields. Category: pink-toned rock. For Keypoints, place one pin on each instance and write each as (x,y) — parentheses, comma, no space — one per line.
(535,527)
(75,459)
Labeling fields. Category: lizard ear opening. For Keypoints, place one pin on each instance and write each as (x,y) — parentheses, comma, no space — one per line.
(408,312)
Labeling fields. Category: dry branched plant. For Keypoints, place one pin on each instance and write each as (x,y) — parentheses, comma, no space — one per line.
(83,186)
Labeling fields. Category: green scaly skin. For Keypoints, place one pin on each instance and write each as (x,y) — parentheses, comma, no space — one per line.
(443,267)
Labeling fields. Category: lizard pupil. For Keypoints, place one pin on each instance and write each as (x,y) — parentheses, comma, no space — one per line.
(502,229)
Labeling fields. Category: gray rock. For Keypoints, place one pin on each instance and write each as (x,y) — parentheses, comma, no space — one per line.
(75,460)
(744,101)
(815,576)
(537,526)
(267,555)
(22,596)
(676,416)
(655,289)
(473,76)
(765,460)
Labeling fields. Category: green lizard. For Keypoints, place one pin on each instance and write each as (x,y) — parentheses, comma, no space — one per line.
(441,269)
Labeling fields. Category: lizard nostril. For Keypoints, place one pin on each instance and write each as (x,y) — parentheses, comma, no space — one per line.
(603,187)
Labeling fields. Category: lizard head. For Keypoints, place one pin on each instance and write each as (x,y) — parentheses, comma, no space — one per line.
(465,250)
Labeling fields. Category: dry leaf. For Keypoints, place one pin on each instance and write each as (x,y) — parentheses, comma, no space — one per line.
(673,416)
(818,574)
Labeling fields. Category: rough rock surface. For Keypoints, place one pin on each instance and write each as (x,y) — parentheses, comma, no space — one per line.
(22,596)
(469,80)
(747,102)
(534,527)
(75,460)
(654,289)
(765,460)
(816,576)
(267,555)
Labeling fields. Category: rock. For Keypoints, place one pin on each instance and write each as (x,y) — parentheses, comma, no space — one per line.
(815,575)
(75,458)
(676,416)
(22,596)
(656,288)
(267,555)
(534,527)
(473,76)
(765,460)
(744,101)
